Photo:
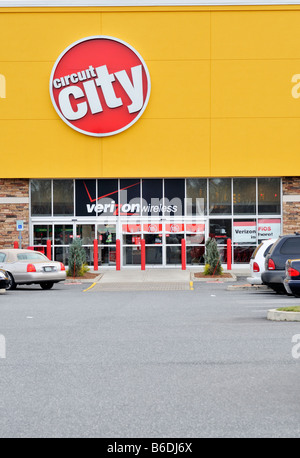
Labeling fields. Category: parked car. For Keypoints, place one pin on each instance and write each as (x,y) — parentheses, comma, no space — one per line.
(27,267)
(3,279)
(286,247)
(292,277)
(257,261)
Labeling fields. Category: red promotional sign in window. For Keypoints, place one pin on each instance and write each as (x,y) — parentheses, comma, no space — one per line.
(131,228)
(174,227)
(152,228)
(100,86)
(195,228)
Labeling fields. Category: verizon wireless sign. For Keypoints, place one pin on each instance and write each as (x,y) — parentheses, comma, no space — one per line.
(100,86)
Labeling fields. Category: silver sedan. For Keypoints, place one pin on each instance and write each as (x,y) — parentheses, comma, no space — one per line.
(26,267)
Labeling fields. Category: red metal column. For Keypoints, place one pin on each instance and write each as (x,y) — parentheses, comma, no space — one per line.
(49,255)
(143,254)
(16,245)
(95,254)
(118,254)
(183,255)
(228,254)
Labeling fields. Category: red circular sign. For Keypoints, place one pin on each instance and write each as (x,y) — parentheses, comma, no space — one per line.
(100,86)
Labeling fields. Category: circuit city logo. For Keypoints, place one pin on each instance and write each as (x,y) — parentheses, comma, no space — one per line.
(100,86)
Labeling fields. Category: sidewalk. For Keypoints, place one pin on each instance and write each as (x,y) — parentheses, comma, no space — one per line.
(150,279)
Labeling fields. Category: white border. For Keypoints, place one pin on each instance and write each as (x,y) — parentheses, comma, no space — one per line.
(114,3)
(103,37)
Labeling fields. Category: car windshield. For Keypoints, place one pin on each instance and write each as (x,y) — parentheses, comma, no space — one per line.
(34,256)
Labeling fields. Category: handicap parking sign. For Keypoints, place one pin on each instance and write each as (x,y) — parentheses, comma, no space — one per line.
(20,225)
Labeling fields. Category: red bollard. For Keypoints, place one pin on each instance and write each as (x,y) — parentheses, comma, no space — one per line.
(183,255)
(95,254)
(49,249)
(143,254)
(228,254)
(118,254)
(16,245)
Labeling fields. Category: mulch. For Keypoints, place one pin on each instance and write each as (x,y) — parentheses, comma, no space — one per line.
(86,276)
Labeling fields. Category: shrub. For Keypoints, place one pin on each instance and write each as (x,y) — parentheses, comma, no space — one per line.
(77,258)
(212,258)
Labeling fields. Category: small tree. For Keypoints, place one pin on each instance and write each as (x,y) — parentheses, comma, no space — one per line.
(77,258)
(212,258)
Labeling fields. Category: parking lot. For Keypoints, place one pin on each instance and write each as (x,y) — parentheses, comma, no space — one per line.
(203,362)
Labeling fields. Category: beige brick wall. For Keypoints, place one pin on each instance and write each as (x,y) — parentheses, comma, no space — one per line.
(14,205)
(291,204)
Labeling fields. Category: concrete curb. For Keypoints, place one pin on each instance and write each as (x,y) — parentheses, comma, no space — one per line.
(70,280)
(279,315)
(247,287)
(2,291)
(208,279)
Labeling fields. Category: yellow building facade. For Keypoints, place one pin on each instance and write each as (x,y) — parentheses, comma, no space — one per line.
(224,109)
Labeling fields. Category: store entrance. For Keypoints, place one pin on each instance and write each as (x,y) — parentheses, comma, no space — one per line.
(163,243)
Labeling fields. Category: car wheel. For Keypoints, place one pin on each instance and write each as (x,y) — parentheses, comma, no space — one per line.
(11,282)
(46,285)
(279,289)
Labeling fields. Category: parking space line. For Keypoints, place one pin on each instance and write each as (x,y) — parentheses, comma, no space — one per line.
(92,286)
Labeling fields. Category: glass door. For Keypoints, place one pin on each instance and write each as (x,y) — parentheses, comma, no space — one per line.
(106,236)
(86,233)
(153,235)
(131,241)
(174,233)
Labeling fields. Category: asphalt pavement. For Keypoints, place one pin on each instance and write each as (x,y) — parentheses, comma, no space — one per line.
(192,363)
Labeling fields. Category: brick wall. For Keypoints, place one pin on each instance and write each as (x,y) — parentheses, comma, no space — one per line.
(291,204)
(14,205)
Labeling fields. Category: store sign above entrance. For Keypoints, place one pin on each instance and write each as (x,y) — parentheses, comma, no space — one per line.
(100,86)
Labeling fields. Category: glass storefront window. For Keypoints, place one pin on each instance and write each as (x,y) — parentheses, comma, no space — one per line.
(269,196)
(196,196)
(154,255)
(63,197)
(106,234)
(174,197)
(40,197)
(242,254)
(108,197)
(244,196)
(42,233)
(61,254)
(220,195)
(130,196)
(152,197)
(173,255)
(268,229)
(131,256)
(195,255)
(107,255)
(85,200)
(244,231)
(246,210)
(220,229)
(63,234)
(86,232)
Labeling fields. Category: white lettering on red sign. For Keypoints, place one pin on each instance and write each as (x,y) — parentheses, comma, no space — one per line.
(100,86)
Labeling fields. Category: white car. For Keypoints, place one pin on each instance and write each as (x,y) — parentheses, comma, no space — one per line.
(27,267)
(257,261)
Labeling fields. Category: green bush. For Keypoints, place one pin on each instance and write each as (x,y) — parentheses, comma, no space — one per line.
(77,258)
(212,258)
